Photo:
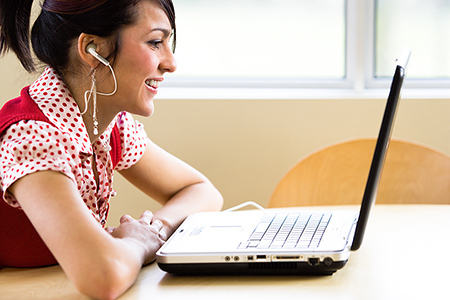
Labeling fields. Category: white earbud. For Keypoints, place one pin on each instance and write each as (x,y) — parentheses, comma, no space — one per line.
(91,48)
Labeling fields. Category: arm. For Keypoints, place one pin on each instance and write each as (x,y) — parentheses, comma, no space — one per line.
(100,265)
(180,188)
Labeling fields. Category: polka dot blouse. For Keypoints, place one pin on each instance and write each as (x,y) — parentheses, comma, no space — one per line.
(31,146)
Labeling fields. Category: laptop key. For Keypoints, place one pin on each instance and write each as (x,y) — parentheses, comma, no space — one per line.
(253,244)
(264,245)
(243,245)
(302,245)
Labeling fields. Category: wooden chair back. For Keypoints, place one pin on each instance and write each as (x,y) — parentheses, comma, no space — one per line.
(337,175)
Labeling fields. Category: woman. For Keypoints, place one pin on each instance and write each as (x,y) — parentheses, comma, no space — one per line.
(72,128)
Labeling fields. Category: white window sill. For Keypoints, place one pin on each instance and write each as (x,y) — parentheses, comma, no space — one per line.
(197,93)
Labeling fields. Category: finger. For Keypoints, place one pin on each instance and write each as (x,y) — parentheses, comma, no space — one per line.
(162,235)
(125,218)
(146,217)
(158,225)
(110,230)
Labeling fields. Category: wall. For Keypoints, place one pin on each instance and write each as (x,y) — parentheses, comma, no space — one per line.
(246,146)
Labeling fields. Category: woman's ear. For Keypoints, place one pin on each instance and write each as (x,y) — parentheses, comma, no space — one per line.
(88,39)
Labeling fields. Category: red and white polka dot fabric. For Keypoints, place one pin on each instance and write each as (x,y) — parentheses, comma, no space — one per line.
(31,146)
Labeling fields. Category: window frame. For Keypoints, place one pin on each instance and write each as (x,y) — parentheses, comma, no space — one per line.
(371,82)
(359,80)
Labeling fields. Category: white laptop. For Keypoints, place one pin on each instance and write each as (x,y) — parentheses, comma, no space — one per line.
(280,242)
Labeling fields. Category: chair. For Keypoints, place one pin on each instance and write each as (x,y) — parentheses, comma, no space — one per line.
(337,175)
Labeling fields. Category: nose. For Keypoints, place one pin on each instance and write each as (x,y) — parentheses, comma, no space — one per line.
(168,62)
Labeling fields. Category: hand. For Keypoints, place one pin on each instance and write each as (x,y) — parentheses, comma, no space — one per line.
(146,231)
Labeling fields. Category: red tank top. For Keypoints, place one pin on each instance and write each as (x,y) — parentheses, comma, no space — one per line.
(20,244)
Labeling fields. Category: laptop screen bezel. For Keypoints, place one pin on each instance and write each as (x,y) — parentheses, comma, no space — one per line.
(381,148)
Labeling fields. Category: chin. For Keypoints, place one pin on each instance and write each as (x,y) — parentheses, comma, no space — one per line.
(148,112)
(145,108)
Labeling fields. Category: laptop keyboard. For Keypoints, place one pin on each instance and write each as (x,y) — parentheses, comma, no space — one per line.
(288,231)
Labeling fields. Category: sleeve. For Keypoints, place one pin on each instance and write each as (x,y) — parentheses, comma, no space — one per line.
(134,141)
(31,146)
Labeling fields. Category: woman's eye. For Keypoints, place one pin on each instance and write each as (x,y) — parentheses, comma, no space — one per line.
(155,44)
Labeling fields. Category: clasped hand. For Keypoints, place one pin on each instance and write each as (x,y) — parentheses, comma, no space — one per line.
(146,231)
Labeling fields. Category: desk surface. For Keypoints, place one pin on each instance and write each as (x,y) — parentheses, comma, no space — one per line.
(405,255)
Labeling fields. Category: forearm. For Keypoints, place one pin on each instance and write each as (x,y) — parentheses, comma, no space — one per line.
(113,273)
(194,198)
(181,189)
(128,247)
(99,264)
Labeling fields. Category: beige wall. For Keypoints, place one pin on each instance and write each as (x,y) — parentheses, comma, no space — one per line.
(246,146)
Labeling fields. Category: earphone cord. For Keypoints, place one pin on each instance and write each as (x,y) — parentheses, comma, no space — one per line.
(115,83)
(91,91)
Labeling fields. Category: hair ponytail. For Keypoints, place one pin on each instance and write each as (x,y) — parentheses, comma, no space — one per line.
(15,30)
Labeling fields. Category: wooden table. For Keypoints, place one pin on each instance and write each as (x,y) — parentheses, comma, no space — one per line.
(405,255)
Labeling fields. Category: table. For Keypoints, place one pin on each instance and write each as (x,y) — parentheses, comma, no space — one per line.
(405,255)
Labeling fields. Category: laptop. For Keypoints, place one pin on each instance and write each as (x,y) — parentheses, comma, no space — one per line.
(277,241)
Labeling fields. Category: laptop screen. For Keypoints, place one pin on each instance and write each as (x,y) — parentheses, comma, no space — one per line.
(381,149)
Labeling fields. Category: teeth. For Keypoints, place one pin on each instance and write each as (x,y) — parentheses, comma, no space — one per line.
(152,83)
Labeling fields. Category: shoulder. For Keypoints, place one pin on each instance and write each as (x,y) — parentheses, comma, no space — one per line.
(33,132)
(29,146)
(20,108)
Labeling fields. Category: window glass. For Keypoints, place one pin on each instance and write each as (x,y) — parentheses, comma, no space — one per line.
(421,25)
(260,39)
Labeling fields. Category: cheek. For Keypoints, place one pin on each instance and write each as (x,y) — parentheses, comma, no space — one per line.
(140,60)
(147,63)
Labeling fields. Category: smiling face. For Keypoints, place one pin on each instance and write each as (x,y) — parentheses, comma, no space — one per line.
(145,55)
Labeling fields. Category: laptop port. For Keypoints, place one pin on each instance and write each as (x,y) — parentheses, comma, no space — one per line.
(287,257)
(260,257)
(249,257)
(328,261)
(313,261)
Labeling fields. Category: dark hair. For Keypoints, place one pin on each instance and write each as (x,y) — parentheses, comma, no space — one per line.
(61,22)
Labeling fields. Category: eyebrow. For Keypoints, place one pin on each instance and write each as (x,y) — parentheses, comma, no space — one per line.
(165,31)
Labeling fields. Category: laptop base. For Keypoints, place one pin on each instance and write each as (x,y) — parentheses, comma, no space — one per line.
(273,268)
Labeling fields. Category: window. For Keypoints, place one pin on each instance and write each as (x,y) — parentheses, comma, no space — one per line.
(350,44)
(261,39)
(423,25)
